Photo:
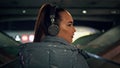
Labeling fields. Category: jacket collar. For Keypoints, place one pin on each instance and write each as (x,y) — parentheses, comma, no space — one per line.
(56,39)
(59,40)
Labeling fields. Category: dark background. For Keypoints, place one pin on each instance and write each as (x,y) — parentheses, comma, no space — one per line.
(101,14)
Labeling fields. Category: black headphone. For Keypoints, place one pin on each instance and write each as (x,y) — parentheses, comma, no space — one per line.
(53,29)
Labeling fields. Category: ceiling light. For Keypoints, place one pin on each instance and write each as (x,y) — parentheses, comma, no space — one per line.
(24,11)
(84,11)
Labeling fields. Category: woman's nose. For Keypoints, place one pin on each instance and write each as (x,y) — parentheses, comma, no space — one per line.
(74,29)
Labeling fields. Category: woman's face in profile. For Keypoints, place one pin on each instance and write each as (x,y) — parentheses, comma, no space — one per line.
(66,26)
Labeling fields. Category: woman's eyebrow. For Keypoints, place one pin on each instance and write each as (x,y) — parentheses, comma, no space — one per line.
(70,22)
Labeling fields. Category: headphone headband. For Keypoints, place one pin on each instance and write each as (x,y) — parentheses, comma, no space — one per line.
(52,14)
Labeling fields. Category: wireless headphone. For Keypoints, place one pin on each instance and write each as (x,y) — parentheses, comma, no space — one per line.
(53,29)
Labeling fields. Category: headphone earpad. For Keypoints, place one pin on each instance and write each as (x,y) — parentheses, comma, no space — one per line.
(53,30)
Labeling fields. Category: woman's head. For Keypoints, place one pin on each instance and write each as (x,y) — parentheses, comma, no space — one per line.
(66,26)
(62,18)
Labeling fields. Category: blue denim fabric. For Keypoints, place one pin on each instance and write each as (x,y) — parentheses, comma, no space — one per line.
(51,52)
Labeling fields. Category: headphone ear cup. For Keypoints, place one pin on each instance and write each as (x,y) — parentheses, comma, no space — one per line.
(53,30)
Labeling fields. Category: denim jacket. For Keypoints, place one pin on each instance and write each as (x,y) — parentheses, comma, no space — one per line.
(52,52)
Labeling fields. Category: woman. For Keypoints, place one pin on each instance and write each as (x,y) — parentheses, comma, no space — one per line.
(52,47)
(62,18)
